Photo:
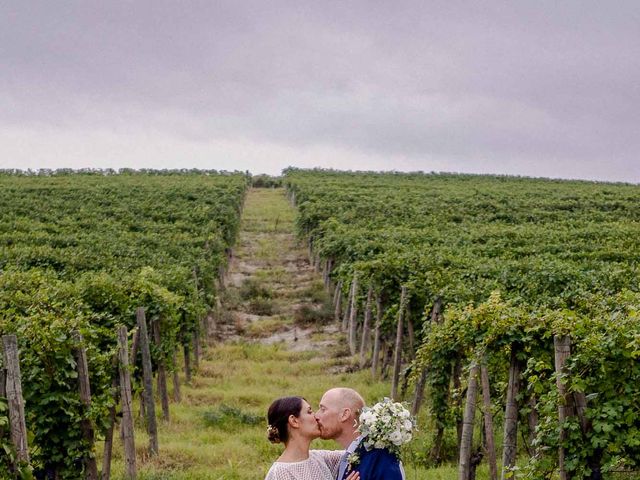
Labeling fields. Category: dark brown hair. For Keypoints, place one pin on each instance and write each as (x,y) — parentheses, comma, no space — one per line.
(278,417)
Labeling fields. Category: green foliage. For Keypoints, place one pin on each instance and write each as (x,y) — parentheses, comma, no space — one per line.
(563,255)
(228,417)
(81,252)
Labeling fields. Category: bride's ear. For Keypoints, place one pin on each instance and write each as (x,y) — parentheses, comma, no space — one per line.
(294,422)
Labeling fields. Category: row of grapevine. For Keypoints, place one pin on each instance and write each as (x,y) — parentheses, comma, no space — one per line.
(498,274)
(83,252)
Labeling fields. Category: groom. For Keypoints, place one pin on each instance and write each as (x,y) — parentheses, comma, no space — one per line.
(338,420)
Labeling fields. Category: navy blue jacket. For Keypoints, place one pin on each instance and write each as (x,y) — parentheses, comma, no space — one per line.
(377,464)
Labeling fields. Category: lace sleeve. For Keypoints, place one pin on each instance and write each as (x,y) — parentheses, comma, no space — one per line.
(331,458)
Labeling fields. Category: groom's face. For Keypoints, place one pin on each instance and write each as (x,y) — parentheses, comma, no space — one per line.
(328,416)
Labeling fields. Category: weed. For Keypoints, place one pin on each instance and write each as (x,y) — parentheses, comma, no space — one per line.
(227,417)
(251,289)
(261,306)
(308,314)
(315,292)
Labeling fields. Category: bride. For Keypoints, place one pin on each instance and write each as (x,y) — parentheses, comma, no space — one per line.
(291,421)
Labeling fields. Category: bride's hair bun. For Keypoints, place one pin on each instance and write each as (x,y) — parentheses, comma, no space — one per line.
(272,434)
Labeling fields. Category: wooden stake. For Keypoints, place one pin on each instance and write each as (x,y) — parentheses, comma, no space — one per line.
(468,422)
(434,317)
(3,384)
(562,350)
(127,430)
(176,379)
(488,421)
(419,393)
(134,347)
(162,371)
(15,399)
(196,348)
(108,437)
(91,467)
(376,337)
(457,386)
(366,329)
(510,442)
(338,302)
(187,362)
(397,363)
(353,312)
(346,316)
(147,374)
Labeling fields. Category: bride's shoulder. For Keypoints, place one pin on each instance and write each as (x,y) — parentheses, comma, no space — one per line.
(327,454)
(324,453)
(278,471)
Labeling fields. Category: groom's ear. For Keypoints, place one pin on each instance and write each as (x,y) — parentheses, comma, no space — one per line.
(345,414)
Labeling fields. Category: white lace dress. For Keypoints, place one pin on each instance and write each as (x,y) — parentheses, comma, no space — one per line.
(321,465)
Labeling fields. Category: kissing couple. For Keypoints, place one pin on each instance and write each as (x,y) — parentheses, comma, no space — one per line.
(293,422)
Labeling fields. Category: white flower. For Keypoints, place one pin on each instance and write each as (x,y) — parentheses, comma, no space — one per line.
(386,425)
(396,437)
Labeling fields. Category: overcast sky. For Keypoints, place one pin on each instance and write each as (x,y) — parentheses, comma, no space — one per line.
(541,88)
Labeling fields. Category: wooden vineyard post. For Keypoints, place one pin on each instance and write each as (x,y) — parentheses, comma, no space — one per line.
(162,371)
(488,421)
(353,315)
(398,349)
(457,386)
(3,382)
(327,272)
(510,437)
(434,317)
(147,375)
(187,362)
(376,337)
(562,350)
(128,438)
(14,397)
(337,302)
(196,348)
(345,316)
(468,422)
(177,397)
(108,438)
(88,433)
(366,329)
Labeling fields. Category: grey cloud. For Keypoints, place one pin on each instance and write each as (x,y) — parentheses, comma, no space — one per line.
(486,85)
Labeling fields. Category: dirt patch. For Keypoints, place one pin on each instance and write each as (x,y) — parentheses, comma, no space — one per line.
(279,261)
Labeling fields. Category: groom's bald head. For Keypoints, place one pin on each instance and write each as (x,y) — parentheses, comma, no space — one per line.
(349,398)
(338,414)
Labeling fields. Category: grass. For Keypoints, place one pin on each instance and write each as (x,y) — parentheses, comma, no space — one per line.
(218,431)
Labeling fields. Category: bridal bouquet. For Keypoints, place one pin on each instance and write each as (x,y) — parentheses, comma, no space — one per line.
(386,425)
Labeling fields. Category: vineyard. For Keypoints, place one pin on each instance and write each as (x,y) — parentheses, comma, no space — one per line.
(527,288)
(505,310)
(84,257)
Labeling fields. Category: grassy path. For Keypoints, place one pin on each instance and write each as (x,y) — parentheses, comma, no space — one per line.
(271,341)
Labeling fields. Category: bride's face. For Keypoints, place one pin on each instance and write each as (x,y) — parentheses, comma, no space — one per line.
(308,425)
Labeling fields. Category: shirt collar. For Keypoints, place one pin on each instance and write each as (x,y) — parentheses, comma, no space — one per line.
(353,445)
